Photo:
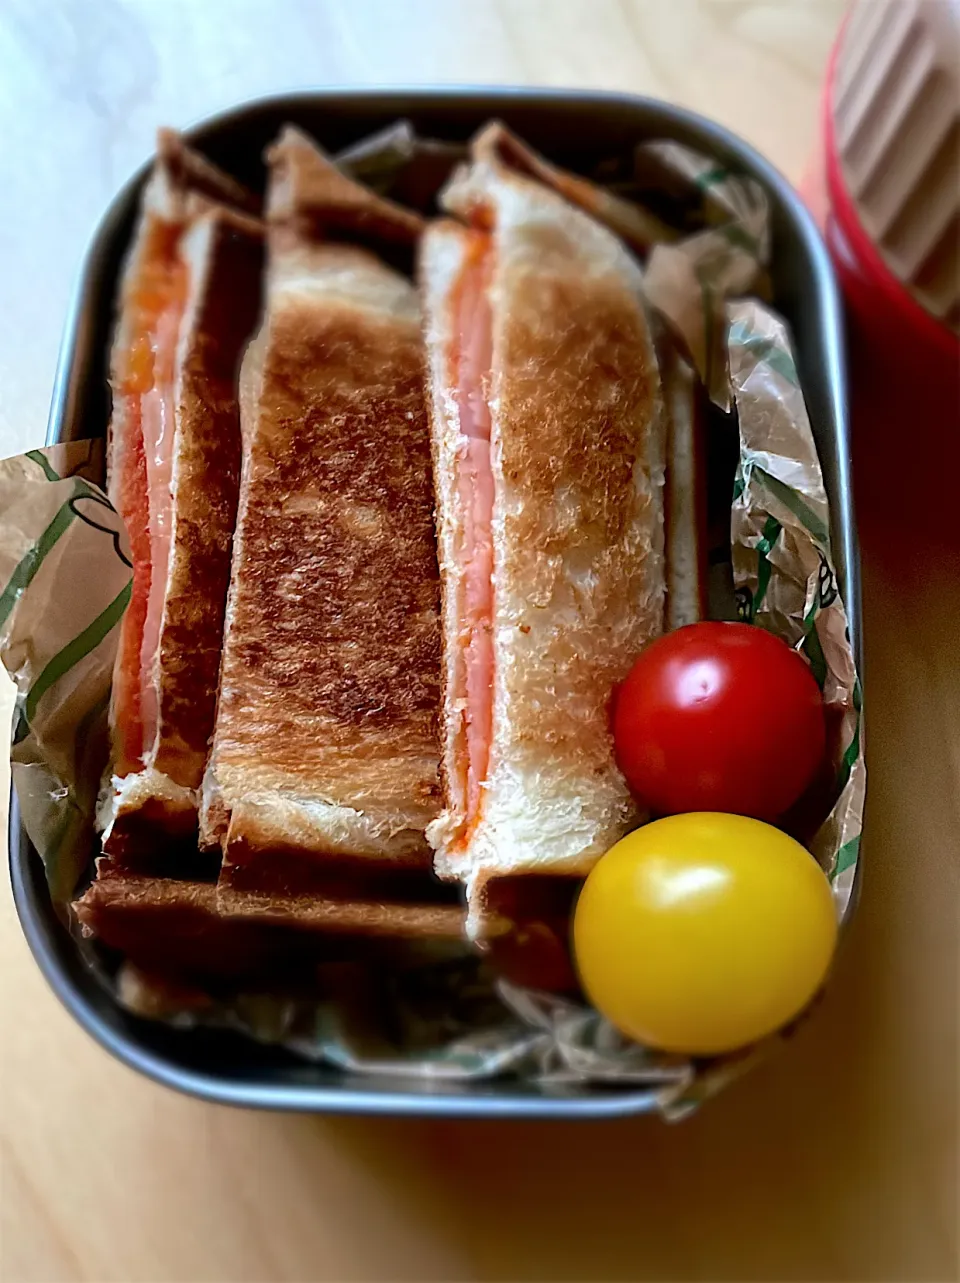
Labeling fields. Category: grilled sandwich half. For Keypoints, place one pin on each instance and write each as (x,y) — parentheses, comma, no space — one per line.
(548,445)
(188,303)
(325,746)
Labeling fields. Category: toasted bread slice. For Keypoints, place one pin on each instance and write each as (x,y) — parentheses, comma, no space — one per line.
(325,742)
(184,929)
(495,147)
(548,446)
(307,191)
(685,500)
(188,303)
(364,910)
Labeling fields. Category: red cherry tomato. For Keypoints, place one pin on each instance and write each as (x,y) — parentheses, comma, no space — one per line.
(719,717)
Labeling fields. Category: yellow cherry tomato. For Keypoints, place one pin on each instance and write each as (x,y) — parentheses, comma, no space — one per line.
(701,933)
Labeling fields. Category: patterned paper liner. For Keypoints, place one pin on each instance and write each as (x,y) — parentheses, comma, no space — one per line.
(66,575)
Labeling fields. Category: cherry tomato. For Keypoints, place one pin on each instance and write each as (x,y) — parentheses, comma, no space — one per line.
(719,717)
(702,933)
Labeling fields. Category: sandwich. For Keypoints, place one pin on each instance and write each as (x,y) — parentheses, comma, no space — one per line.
(325,751)
(547,433)
(188,302)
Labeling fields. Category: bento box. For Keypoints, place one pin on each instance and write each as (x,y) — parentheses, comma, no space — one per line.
(574,129)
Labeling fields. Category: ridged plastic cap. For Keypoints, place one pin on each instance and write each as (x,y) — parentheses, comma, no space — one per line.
(896,109)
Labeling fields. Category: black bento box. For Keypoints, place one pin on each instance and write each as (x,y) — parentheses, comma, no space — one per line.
(568,127)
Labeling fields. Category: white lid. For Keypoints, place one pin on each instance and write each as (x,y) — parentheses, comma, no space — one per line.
(896,109)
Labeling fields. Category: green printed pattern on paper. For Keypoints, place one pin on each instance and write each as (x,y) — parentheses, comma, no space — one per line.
(853,748)
(76,650)
(779,503)
(766,350)
(814,650)
(771,533)
(791,500)
(711,177)
(846,856)
(38,457)
(33,560)
(65,571)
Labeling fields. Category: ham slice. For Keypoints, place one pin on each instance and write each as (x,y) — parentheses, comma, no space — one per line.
(140,481)
(475,483)
(157,419)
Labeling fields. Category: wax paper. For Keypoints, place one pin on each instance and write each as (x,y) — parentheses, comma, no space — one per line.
(65,576)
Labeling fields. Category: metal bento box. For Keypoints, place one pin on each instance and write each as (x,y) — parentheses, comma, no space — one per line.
(222,1066)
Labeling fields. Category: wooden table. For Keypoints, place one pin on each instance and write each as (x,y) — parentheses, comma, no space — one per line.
(835,1161)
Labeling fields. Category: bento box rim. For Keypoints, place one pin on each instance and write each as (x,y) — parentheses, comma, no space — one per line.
(46,936)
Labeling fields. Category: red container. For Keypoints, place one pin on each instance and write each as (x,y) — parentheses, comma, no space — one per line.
(881,181)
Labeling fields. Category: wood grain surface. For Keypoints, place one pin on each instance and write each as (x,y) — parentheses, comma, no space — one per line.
(837,1160)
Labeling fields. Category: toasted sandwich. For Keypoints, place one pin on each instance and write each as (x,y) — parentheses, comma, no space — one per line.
(325,744)
(547,433)
(188,302)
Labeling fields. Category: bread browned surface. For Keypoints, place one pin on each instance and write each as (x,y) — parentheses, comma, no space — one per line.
(190,175)
(149,823)
(170,925)
(577,455)
(184,928)
(496,147)
(226,260)
(222,250)
(309,192)
(359,914)
(325,739)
